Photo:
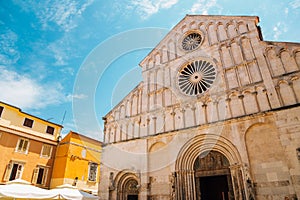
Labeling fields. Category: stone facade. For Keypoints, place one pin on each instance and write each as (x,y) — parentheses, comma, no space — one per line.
(218,106)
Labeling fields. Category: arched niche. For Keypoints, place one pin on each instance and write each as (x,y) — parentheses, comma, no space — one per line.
(247,48)
(250,102)
(286,93)
(274,62)
(296,87)
(212,34)
(231,30)
(171,49)
(221,32)
(297,57)
(236,105)
(288,61)
(267,160)
(263,99)
(127,185)
(242,28)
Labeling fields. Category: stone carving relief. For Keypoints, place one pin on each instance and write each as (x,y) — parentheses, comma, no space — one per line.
(131,187)
(211,161)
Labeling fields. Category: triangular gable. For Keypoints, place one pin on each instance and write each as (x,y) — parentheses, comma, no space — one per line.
(169,48)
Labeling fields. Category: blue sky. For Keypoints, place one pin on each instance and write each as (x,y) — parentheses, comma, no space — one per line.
(45,46)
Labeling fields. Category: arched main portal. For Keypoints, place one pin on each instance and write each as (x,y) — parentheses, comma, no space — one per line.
(213,177)
(206,160)
(127,186)
(131,190)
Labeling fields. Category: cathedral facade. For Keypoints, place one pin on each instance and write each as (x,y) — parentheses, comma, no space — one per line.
(216,116)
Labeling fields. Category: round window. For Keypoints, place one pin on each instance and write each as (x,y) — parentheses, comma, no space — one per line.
(196,77)
(191,41)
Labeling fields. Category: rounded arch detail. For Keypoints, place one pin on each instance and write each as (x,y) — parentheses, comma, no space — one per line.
(156,146)
(205,143)
(127,182)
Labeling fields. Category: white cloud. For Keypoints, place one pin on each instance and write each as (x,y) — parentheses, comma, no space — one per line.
(286,11)
(59,51)
(26,93)
(76,96)
(59,12)
(202,6)
(295,4)
(68,71)
(146,8)
(8,52)
(279,29)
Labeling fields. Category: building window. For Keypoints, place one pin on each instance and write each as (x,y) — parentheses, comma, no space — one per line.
(13,171)
(40,175)
(46,151)
(298,153)
(28,122)
(50,130)
(22,146)
(196,77)
(1,110)
(191,41)
(92,171)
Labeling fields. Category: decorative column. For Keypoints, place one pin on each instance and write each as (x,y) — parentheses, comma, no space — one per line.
(229,107)
(173,119)
(204,106)
(183,117)
(256,100)
(194,115)
(154,124)
(185,185)
(139,124)
(241,97)
(148,128)
(277,88)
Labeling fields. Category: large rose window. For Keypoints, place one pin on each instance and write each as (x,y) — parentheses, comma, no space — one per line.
(196,77)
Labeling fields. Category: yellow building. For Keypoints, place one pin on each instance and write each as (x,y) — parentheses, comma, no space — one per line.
(77,162)
(27,145)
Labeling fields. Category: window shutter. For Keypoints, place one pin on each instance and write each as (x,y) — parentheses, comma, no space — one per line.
(46,151)
(7,172)
(19,145)
(35,175)
(25,146)
(45,176)
(19,171)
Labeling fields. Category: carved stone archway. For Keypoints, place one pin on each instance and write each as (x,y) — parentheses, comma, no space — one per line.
(127,186)
(212,169)
(130,189)
(186,169)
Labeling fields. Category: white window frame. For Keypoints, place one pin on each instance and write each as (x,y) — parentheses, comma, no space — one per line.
(91,164)
(36,172)
(42,151)
(9,169)
(20,150)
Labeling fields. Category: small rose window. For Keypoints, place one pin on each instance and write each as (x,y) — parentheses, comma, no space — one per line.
(191,41)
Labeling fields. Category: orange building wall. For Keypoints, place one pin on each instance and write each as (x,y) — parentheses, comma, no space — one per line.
(31,159)
(11,129)
(71,163)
